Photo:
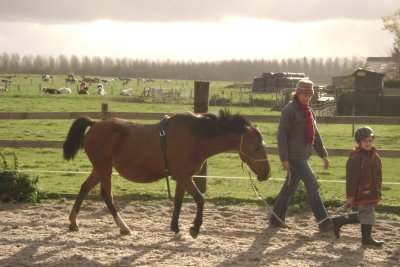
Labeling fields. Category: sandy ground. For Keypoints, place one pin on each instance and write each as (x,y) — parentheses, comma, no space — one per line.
(37,235)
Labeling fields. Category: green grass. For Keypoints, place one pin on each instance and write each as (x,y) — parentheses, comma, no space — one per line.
(29,99)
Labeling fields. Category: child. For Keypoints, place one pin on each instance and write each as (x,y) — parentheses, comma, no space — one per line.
(363,186)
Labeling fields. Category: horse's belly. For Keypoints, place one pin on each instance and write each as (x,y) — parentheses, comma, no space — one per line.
(140,176)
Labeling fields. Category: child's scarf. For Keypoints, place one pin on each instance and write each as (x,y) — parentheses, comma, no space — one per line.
(309,122)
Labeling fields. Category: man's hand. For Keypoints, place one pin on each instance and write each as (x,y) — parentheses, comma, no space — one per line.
(285,165)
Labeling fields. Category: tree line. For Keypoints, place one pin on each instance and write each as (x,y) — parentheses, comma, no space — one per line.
(320,70)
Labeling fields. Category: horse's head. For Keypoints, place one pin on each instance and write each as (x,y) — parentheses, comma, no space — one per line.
(253,152)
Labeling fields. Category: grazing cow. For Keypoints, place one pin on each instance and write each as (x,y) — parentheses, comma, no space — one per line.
(64,90)
(50,91)
(101,90)
(126,92)
(90,79)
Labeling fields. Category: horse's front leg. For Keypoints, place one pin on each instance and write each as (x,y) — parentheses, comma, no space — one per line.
(179,193)
(199,199)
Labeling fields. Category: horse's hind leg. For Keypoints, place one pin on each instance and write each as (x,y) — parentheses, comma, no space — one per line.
(107,195)
(88,185)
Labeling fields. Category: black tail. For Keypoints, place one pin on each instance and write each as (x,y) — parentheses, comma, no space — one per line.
(75,136)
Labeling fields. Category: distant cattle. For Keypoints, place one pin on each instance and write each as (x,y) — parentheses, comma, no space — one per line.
(50,91)
(90,79)
(83,90)
(101,90)
(64,90)
(46,77)
(126,92)
(71,80)
(6,81)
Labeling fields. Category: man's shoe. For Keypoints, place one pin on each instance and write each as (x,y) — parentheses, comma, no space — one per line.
(275,223)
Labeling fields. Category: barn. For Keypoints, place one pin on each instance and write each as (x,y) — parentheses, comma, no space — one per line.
(362,81)
(368,82)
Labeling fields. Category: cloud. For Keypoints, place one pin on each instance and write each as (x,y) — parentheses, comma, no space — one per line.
(79,11)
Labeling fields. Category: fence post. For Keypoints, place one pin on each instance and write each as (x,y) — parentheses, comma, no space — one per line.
(104,111)
(201,91)
(352,125)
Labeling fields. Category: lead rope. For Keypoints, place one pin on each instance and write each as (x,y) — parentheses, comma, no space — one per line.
(258,195)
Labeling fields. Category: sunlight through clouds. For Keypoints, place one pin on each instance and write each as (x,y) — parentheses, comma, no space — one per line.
(230,38)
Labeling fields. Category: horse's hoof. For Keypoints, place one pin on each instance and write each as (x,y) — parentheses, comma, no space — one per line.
(125,231)
(73,227)
(193,232)
(179,237)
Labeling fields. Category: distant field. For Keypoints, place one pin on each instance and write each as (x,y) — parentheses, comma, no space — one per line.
(25,96)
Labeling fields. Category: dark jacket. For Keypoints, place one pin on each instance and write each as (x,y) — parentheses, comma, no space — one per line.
(292,135)
(364,176)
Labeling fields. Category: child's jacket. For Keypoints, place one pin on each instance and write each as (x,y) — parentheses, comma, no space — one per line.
(364,176)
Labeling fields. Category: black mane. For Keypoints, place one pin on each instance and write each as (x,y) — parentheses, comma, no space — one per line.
(209,124)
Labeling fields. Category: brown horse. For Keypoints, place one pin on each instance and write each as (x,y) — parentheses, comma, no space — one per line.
(135,152)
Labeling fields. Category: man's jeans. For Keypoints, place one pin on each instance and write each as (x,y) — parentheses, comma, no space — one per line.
(300,169)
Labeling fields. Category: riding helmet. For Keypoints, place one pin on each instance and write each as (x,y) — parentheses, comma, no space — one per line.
(363,132)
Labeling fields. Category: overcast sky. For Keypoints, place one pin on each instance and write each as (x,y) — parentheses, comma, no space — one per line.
(204,30)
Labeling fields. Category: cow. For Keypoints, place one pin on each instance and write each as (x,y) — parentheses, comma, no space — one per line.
(64,90)
(126,92)
(101,90)
(50,91)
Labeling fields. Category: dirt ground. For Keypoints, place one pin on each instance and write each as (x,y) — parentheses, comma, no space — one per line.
(37,235)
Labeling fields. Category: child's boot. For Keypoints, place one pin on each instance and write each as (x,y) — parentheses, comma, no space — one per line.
(339,221)
(367,239)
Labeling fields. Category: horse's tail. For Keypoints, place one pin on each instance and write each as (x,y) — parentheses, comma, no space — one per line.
(75,136)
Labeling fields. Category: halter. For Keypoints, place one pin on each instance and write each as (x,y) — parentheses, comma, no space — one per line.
(247,155)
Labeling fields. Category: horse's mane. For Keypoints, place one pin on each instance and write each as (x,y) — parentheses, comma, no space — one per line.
(209,124)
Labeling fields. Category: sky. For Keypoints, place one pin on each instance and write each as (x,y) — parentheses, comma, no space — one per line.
(199,31)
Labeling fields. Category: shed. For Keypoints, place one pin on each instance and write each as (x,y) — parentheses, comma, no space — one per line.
(368,82)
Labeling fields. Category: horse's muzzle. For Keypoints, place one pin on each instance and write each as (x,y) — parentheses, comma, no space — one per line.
(262,178)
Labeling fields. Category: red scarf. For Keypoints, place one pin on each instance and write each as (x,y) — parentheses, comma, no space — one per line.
(309,122)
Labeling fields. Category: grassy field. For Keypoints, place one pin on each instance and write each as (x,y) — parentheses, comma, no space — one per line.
(58,176)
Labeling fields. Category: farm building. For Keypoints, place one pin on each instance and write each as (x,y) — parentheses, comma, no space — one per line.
(366,81)
(361,81)
(274,82)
